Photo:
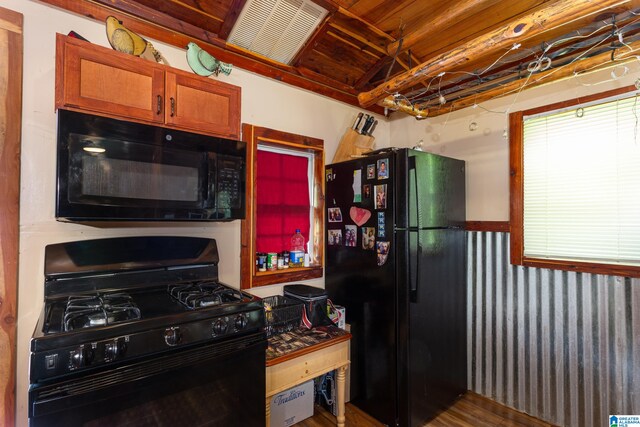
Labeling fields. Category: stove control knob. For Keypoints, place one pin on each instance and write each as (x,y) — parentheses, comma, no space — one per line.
(89,355)
(241,322)
(76,358)
(172,336)
(219,327)
(114,350)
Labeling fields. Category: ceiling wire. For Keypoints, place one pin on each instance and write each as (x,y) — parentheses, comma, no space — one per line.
(507,111)
(542,61)
(397,52)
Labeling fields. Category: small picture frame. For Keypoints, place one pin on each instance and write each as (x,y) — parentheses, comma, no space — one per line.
(380,194)
(350,236)
(329,175)
(368,238)
(334,215)
(371,171)
(334,237)
(382,250)
(366,191)
(383,168)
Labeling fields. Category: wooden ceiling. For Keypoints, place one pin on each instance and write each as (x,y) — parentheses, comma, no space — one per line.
(422,57)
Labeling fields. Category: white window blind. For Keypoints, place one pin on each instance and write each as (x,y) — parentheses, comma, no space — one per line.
(582,184)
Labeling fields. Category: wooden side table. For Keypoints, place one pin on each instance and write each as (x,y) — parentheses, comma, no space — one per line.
(308,362)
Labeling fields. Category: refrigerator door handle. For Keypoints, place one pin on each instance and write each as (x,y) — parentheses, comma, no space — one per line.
(413,287)
(414,163)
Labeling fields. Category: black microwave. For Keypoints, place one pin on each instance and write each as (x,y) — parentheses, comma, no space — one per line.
(114,170)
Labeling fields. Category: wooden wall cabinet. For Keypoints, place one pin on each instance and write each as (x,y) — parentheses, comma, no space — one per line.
(92,78)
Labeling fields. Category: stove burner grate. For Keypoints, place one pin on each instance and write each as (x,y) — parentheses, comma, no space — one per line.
(99,310)
(200,295)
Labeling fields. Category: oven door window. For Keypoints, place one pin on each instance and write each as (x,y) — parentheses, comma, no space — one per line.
(219,384)
(122,173)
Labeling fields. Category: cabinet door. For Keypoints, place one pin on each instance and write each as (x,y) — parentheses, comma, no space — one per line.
(202,105)
(93,78)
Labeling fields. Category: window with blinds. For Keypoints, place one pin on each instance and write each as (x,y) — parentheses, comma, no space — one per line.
(581,183)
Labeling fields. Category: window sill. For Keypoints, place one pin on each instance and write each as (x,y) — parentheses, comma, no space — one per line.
(262,278)
(582,267)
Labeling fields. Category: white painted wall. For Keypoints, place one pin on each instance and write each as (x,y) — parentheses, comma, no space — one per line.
(486,150)
(264,103)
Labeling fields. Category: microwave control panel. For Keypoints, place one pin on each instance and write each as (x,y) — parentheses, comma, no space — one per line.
(230,175)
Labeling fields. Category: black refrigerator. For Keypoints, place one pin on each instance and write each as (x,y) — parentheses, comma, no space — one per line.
(395,258)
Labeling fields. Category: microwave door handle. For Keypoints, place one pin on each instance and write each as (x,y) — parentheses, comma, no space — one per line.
(209,189)
(209,195)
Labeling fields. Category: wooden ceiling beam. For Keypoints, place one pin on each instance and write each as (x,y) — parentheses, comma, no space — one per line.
(364,80)
(588,65)
(360,30)
(556,14)
(405,106)
(577,57)
(319,32)
(455,11)
(132,8)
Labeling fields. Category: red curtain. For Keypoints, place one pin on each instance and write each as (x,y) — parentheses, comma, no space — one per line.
(282,200)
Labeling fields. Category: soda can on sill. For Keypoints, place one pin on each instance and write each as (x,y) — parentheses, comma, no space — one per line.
(285,259)
(272,261)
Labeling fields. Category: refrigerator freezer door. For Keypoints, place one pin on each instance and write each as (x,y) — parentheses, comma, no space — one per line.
(431,193)
(432,367)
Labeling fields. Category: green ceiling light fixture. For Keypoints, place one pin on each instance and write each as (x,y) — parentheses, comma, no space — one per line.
(205,64)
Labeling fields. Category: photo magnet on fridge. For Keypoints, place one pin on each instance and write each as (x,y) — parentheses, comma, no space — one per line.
(382,249)
(357,186)
(350,235)
(366,191)
(381,196)
(381,230)
(329,175)
(383,171)
(368,238)
(334,215)
(371,171)
(335,237)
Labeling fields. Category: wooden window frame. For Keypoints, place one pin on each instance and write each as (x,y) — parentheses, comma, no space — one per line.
(516,184)
(11,51)
(253,136)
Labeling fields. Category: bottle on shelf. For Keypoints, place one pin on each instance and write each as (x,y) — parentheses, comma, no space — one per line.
(296,254)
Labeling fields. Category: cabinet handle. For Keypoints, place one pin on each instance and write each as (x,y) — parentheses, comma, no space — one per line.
(159,104)
(173,107)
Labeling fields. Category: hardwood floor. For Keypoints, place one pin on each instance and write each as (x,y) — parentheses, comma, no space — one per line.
(471,410)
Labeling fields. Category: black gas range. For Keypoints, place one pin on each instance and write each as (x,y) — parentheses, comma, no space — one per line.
(144,318)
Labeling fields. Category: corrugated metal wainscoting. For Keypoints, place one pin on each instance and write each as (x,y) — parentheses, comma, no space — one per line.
(561,346)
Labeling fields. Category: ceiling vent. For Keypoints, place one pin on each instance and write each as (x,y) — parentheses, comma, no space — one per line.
(276,29)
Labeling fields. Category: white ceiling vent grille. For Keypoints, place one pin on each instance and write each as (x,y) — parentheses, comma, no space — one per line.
(276,29)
